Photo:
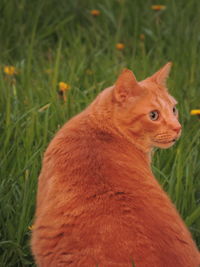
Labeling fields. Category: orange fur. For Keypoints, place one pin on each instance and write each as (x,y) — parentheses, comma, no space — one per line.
(98,201)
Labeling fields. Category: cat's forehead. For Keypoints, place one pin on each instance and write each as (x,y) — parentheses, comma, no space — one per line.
(172,100)
(164,98)
(158,95)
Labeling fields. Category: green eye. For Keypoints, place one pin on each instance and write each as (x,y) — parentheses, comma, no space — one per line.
(154,115)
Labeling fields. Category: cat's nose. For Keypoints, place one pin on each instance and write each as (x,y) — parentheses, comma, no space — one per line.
(177,129)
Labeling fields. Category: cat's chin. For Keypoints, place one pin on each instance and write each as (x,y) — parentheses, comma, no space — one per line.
(165,145)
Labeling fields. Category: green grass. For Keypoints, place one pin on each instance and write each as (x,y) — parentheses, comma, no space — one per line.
(63,36)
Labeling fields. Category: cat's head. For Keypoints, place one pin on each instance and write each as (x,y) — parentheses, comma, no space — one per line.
(144,111)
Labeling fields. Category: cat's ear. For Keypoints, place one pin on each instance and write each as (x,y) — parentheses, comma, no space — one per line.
(126,86)
(161,75)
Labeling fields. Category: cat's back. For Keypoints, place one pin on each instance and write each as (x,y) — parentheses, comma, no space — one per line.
(76,164)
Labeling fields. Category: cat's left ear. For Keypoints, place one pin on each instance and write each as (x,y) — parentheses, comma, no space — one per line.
(161,75)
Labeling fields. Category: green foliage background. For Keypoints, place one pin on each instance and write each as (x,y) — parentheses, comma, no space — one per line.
(49,41)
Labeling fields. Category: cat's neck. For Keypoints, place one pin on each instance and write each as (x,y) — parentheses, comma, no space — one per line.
(100,114)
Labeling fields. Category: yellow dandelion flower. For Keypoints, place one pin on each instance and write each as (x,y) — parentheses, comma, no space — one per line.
(95,12)
(63,86)
(158,7)
(142,37)
(195,112)
(31,227)
(10,70)
(120,46)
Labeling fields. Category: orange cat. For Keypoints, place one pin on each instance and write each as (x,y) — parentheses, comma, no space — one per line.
(98,202)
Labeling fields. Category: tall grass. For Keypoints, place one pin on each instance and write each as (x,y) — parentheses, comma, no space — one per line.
(51,41)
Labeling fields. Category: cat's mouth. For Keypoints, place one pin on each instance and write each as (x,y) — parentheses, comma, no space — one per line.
(165,142)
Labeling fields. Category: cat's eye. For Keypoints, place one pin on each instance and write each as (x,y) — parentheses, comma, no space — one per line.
(154,115)
(175,111)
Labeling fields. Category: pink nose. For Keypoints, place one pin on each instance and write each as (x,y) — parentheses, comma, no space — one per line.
(177,129)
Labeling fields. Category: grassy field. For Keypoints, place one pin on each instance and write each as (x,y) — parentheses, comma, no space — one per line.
(50,41)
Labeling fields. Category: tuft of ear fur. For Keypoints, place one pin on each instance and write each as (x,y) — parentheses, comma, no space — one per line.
(126,86)
(161,75)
